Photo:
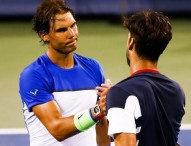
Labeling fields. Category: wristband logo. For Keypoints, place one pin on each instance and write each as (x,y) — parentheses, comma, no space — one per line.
(80,116)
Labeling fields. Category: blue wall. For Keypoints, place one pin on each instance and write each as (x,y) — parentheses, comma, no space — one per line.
(28,7)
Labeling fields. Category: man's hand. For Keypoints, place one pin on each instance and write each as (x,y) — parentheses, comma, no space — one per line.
(102,92)
(102,126)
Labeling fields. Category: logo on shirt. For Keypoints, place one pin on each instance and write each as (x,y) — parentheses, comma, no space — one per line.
(34,92)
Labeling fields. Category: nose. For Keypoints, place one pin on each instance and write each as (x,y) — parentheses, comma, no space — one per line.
(71,32)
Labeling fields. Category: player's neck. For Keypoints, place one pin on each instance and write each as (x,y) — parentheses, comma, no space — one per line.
(142,65)
(65,61)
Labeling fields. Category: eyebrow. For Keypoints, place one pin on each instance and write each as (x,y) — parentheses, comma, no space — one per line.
(57,19)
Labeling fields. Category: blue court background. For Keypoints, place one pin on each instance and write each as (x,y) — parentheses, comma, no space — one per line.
(23,139)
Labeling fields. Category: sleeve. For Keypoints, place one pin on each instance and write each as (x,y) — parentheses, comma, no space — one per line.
(101,77)
(122,110)
(34,89)
(98,72)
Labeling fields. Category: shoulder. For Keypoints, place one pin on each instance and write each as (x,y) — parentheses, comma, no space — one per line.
(136,86)
(88,64)
(86,60)
(132,82)
(91,67)
(174,86)
(36,68)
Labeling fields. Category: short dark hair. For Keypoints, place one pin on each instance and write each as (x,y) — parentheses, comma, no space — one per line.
(46,12)
(151,31)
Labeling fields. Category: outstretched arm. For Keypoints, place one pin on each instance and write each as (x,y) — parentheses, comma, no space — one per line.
(102,126)
(63,127)
(49,114)
(101,132)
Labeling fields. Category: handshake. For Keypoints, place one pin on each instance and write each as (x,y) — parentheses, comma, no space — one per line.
(102,93)
(86,119)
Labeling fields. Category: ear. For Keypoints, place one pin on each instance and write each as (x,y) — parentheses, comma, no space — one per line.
(131,43)
(44,37)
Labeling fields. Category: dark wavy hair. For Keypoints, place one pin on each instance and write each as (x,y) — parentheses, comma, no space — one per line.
(46,12)
(151,32)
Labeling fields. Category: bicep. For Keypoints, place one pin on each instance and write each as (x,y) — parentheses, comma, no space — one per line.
(50,116)
(48,113)
(125,139)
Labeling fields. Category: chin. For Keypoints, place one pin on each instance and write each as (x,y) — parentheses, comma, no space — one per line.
(67,50)
(73,48)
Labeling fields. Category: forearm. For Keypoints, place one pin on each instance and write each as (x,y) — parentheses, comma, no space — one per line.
(62,128)
(80,122)
(101,132)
